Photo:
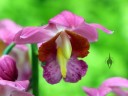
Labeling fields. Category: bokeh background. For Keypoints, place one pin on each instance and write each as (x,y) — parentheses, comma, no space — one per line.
(112,14)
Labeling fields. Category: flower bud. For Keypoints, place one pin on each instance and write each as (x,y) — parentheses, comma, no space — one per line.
(8,70)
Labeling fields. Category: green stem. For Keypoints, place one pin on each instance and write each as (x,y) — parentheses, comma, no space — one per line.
(34,61)
(9,48)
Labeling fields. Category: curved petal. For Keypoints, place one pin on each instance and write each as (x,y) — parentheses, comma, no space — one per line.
(76,69)
(113,82)
(101,28)
(91,91)
(80,45)
(7,87)
(52,72)
(22,84)
(32,35)
(119,91)
(67,19)
(87,31)
(51,27)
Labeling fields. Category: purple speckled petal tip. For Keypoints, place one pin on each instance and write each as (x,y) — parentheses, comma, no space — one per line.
(52,72)
(76,69)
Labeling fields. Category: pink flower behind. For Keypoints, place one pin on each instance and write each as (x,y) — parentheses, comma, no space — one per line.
(8,70)
(119,91)
(23,64)
(110,85)
(8,76)
(17,88)
(65,38)
(8,29)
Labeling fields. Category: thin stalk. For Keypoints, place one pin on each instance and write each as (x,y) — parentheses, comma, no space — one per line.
(8,48)
(34,61)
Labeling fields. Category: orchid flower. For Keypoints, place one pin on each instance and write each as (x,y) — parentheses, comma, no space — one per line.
(65,38)
(8,75)
(110,85)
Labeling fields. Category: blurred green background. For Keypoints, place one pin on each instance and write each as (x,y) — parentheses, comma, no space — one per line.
(112,14)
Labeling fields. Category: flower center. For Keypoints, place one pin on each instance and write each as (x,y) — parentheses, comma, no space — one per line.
(64,50)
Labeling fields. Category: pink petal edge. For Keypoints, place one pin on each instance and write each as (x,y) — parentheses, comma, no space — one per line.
(101,28)
(32,35)
(67,19)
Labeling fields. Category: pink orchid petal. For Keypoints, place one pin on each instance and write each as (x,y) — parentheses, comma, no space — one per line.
(19,85)
(113,82)
(6,36)
(10,25)
(96,92)
(76,69)
(51,27)
(101,28)
(8,87)
(7,30)
(22,84)
(107,87)
(52,72)
(87,31)
(91,91)
(32,35)
(119,92)
(67,19)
